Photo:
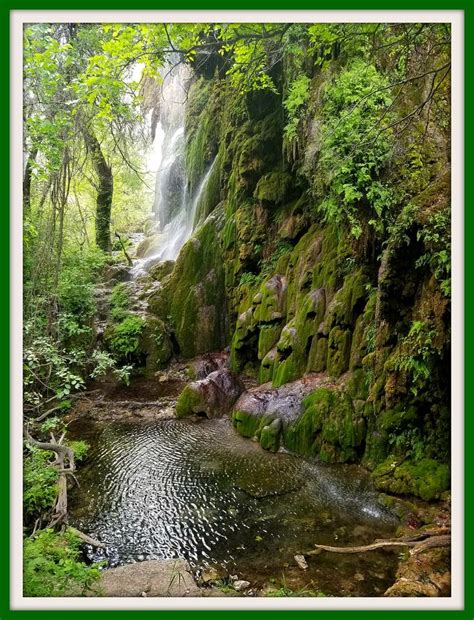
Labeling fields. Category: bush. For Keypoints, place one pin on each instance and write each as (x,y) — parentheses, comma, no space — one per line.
(119,301)
(354,150)
(52,566)
(124,339)
(39,483)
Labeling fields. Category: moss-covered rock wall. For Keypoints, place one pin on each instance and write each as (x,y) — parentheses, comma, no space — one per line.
(301,266)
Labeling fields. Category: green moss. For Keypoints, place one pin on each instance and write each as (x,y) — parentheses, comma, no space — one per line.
(254,147)
(270,436)
(243,341)
(397,420)
(201,129)
(426,478)
(123,338)
(187,401)
(268,337)
(249,425)
(193,296)
(339,349)
(271,303)
(328,427)
(211,193)
(161,270)
(287,370)
(267,366)
(155,343)
(317,359)
(358,384)
(120,301)
(346,303)
(229,232)
(273,187)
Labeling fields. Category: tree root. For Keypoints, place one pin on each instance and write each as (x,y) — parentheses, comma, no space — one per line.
(65,465)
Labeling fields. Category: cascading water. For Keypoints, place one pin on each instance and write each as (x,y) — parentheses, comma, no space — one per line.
(174,206)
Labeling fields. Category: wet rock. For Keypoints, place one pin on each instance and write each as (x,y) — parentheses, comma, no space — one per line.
(241,584)
(259,406)
(210,362)
(161,269)
(212,396)
(149,245)
(117,273)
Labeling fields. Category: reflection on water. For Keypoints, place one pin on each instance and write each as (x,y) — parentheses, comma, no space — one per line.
(200,491)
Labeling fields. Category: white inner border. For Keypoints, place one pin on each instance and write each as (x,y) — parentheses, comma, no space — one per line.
(456,18)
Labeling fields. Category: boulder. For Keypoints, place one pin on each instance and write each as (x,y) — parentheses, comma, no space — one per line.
(150,578)
(212,396)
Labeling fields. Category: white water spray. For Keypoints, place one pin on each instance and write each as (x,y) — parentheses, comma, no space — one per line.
(175,209)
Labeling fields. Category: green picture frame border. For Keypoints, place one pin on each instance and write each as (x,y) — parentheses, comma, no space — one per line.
(467,6)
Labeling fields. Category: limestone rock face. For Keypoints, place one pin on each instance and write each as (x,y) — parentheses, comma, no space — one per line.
(212,396)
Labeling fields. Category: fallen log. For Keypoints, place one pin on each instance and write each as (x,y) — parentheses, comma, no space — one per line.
(417,543)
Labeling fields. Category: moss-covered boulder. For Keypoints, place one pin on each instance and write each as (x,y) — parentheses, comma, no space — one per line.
(212,396)
(271,305)
(267,366)
(155,343)
(270,435)
(328,427)
(192,299)
(425,478)
(297,338)
(149,245)
(318,354)
(161,270)
(250,425)
(273,187)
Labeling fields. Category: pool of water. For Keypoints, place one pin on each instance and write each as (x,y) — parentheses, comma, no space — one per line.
(199,491)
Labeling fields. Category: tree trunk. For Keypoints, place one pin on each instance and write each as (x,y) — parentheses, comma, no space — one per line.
(104,192)
(27,179)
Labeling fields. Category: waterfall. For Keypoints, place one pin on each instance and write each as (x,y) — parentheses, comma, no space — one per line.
(181,226)
(174,207)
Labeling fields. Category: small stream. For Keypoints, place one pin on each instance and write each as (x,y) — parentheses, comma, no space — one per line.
(199,491)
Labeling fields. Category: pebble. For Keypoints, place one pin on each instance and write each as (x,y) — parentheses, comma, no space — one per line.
(240,585)
(209,575)
(301,561)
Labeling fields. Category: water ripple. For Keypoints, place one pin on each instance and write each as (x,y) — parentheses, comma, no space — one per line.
(199,491)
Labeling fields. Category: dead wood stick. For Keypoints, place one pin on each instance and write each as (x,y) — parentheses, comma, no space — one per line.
(418,545)
(129,260)
(87,539)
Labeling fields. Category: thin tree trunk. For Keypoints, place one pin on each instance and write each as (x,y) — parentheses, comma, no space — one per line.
(27,179)
(104,191)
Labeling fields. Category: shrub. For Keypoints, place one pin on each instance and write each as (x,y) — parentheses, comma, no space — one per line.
(52,566)
(354,150)
(124,339)
(39,483)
